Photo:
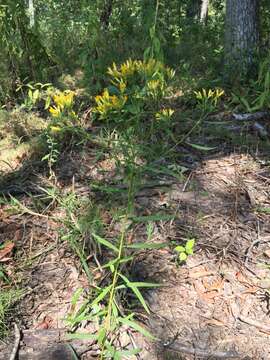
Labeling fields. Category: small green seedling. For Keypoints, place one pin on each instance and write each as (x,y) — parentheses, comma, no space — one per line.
(184,251)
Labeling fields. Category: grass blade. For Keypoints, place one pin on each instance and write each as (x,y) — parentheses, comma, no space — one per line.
(106,243)
(136,292)
(136,327)
(143,246)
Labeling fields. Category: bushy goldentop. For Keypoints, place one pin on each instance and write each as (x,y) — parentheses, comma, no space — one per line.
(135,86)
(63,101)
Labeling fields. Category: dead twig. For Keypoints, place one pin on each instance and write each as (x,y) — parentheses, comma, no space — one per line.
(254,323)
(255,242)
(251,116)
(16,342)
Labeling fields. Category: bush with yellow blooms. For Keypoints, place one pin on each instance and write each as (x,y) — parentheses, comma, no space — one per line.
(137,89)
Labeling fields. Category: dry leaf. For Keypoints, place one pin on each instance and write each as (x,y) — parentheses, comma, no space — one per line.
(46,323)
(198,274)
(6,250)
(217,285)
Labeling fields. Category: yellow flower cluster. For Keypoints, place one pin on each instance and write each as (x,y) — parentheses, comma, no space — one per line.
(106,103)
(210,94)
(164,114)
(63,100)
(130,67)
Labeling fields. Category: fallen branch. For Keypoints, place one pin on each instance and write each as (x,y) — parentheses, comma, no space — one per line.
(251,116)
(207,354)
(17,340)
(227,116)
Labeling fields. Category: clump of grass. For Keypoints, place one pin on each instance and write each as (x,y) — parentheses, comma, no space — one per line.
(8,299)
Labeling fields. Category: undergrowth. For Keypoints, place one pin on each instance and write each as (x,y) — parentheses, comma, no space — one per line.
(8,299)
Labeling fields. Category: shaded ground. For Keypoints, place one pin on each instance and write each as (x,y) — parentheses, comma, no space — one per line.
(216,306)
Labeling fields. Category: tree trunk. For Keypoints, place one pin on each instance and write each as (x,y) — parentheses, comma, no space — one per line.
(242,36)
(31,10)
(204,11)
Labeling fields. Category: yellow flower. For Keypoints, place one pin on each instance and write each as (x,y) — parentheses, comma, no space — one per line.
(122,86)
(64,99)
(164,114)
(153,84)
(55,111)
(55,129)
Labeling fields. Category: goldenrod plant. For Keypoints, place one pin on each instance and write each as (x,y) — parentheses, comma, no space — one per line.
(63,127)
(208,99)
(136,90)
(62,110)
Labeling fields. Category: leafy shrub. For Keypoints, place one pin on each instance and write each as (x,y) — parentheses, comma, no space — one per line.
(35,95)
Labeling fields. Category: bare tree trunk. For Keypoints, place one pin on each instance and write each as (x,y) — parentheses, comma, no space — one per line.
(204,11)
(31,10)
(242,36)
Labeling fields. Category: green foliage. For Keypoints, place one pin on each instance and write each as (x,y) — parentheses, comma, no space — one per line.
(35,94)
(257,95)
(184,251)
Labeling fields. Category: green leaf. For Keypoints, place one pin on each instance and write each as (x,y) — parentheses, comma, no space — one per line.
(136,292)
(182,256)
(76,296)
(130,352)
(35,95)
(180,249)
(133,109)
(110,263)
(47,103)
(136,327)
(101,296)
(145,284)
(81,336)
(246,104)
(201,147)
(106,243)
(115,310)
(147,246)
(189,246)
(46,157)
(101,336)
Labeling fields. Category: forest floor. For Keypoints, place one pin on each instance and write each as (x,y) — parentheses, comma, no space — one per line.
(214,306)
